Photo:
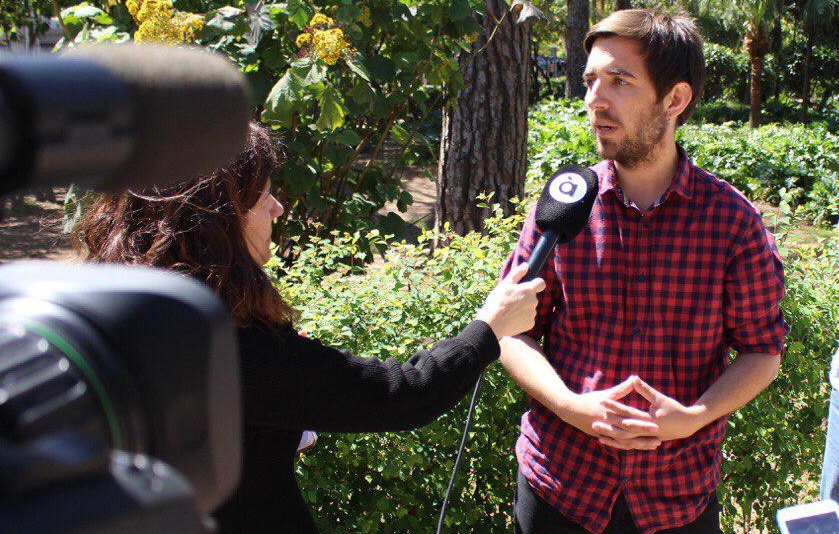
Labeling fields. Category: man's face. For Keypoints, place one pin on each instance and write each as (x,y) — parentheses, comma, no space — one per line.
(629,122)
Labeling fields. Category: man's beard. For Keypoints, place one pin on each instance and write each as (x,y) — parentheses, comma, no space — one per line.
(642,145)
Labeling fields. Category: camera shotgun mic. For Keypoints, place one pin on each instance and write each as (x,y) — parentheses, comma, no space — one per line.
(117,116)
(562,212)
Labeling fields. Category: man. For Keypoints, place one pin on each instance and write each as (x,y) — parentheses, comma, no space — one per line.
(632,383)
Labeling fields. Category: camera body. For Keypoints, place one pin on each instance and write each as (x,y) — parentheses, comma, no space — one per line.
(119,387)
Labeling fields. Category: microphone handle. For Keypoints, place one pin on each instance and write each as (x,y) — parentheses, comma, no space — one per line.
(544,247)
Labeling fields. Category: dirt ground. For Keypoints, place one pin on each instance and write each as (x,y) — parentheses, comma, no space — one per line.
(33,229)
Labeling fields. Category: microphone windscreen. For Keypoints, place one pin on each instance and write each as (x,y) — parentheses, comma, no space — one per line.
(566,201)
(191,110)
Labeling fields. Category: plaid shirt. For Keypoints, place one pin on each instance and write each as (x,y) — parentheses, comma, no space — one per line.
(665,296)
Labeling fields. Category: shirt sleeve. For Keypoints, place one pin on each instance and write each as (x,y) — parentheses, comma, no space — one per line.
(754,287)
(552,295)
(293,382)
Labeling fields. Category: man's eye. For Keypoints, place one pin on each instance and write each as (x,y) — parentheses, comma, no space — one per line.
(620,81)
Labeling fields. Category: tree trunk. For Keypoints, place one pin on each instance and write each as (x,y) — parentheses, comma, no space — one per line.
(483,146)
(757,47)
(575,55)
(756,91)
(806,86)
(623,4)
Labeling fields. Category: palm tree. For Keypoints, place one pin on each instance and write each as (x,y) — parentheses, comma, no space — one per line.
(815,16)
(756,19)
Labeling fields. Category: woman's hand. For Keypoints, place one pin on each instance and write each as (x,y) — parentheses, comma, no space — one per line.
(510,308)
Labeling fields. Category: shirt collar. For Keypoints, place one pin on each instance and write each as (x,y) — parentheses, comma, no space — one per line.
(681,184)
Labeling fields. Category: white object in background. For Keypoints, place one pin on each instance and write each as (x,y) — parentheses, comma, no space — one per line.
(820,517)
(309,438)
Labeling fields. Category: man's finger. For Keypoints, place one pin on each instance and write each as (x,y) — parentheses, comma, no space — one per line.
(626,411)
(621,390)
(602,428)
(647,391)
(631,424)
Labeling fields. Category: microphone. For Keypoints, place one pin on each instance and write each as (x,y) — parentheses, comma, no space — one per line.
(117,116)
(562,212)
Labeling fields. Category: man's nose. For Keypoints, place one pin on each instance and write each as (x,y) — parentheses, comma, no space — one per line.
(595,99)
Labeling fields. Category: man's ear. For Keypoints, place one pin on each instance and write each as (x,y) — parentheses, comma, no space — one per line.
(678,99)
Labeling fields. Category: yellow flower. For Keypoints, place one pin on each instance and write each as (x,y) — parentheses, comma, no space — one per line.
(158,29)
(159,22)
(303,39)
(188,24)
(471,37)
(133,7)
(154,8)
(364,17)
(329,44)
(320,20)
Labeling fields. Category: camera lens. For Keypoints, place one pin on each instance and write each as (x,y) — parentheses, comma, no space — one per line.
(55,406)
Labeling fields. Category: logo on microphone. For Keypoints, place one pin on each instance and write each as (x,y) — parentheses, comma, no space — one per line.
(568,187)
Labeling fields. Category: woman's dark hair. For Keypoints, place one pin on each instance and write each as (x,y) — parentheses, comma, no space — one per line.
(670,45)
(195,228)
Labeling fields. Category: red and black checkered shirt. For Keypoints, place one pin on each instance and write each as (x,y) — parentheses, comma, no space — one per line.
(664,295)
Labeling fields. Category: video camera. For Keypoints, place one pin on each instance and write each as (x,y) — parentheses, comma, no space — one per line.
(119,386)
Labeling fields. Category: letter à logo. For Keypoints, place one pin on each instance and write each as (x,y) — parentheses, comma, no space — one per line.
(568,187)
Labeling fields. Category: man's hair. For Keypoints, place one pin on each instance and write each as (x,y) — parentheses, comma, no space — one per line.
(196,228)
(670,45)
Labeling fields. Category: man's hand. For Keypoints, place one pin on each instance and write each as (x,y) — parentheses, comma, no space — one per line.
(599,414)
(672,419)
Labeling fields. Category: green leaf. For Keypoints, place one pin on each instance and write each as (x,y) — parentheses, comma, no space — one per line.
(77,15)
(358,68)
(298,178)
(273,57)
(225,20)
(299,13)
(332,110)
(347,137)
(316,74)
(281,101)
(381,68)
(460,10)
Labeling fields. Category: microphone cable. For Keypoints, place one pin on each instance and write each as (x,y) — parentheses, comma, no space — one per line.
(460,450)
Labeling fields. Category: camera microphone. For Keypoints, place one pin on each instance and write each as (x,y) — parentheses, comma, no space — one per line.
(562,212)
(117,116)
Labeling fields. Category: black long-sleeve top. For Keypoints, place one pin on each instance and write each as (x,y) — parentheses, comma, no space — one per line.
(291,383)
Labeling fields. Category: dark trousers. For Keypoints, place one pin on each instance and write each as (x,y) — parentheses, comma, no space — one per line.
(535,516)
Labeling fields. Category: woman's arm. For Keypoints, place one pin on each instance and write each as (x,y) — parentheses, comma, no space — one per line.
(290,381)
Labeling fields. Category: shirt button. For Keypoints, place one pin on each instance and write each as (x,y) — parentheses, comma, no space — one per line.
(636,332)
(641,278)
(624,480)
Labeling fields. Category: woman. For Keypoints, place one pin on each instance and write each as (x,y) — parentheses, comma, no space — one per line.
(217,228)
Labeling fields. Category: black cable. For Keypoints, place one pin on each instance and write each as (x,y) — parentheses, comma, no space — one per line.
(456,467)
